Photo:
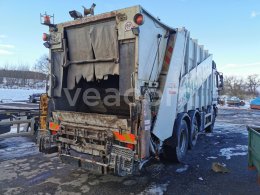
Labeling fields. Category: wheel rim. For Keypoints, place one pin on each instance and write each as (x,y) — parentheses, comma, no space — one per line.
(195,132)
(183,140)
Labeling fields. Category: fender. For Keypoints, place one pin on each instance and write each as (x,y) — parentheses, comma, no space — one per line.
(173,141)
(197,115)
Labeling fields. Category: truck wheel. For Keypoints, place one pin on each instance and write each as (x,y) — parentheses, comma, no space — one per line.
(193,136)
(181,137)
(210,128)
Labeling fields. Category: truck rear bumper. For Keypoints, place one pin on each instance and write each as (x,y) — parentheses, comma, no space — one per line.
(120,161)
(93,166)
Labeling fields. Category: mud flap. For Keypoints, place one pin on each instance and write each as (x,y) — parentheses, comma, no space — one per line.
(45,145)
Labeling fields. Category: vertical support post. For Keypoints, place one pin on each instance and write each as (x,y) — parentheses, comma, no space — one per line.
(32,125)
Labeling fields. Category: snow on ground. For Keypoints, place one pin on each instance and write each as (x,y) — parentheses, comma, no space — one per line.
(239,150)
(23,128)
(246,106)
(18,94)
(183,169)
(154,188)
(230,128)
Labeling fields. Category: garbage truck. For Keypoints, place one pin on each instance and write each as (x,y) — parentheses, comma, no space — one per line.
(124,88)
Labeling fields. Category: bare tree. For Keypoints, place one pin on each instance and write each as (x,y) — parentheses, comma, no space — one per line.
(253,82)
(42,64)
(238,86)
(234,86)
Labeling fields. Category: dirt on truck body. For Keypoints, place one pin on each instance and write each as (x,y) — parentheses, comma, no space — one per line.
(121,90)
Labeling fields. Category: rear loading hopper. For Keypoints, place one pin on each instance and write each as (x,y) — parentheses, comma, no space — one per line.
(124,88)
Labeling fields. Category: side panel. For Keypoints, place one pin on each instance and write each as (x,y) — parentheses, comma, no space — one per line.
(57,59)
(151,50)
(192,81)
(167,111)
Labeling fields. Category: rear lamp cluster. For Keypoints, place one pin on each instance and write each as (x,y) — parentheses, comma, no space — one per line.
(47,20)
(45,37)
(139,19)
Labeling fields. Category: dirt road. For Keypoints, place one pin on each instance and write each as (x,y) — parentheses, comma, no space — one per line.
(23,170)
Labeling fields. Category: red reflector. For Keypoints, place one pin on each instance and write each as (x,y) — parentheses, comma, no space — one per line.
(54,126)
(53,132)
(119,136)
(170,49)
(167,60)
(132,137)
(130,146)
(139,19)
(45,37)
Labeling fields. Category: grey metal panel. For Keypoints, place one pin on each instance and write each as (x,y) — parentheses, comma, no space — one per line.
(57,71)
(126,65)
(149,63)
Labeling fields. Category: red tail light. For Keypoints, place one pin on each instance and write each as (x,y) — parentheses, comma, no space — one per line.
(139,19)
(130,146)
(45,37)
(54,132)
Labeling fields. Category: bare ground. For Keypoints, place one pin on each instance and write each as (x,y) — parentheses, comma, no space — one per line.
(23,170)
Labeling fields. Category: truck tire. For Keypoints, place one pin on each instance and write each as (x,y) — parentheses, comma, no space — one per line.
(194,131)
(181,139)
(210,128)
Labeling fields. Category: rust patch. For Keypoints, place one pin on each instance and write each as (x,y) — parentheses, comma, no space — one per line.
(92,119)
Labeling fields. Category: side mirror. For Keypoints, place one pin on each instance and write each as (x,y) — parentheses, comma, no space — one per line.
(221,81)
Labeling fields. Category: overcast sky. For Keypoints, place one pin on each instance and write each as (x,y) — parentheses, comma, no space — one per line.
(229,29)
